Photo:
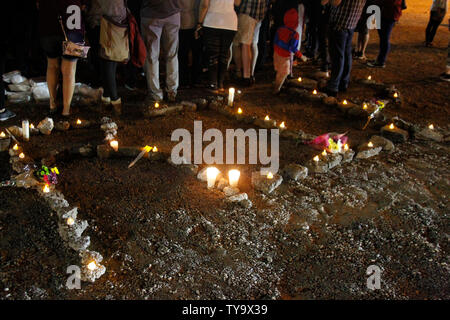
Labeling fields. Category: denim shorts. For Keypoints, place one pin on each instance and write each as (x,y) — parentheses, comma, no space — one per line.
(52,46)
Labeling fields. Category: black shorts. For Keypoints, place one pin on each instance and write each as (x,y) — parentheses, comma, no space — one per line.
(361,27)
(52,46)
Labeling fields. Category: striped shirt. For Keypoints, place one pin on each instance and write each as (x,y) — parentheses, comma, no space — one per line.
(254,8)
(346,15)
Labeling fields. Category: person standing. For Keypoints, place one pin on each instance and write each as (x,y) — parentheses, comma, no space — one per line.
(188,43)
(219,23)
(344,16)
(446,75)
(391,11)
(52,37)
(437,14)
(245,43)
(116,12)
(160,25)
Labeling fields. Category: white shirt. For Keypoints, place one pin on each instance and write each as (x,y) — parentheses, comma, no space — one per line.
(221,15)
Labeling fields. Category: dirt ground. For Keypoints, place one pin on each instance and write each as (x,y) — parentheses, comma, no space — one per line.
(163,235)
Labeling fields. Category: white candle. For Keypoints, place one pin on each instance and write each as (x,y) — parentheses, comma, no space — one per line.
(231,96)
(26,130)
(211,175)
(233,177)
(114,144)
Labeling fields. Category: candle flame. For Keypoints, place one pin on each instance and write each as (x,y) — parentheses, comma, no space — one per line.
(78,121)
(346,147)
(31,126)
(299,79)
(16,147)
(431,127)
(365,106)
(239,111)
(324,153)
(270,176)
(282,125)
(233,177)
(345,102)
(156,105)
(315,91)
(70,221)
(2,135)
(46,188)
(114,144)
(316,159)
(396,95)
(21,155)
(369,78)
(92,266)
(370,144)
(391,126)
(155,149)
(267,118)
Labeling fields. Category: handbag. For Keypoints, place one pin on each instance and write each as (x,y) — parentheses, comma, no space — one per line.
(114,41)
(69,48)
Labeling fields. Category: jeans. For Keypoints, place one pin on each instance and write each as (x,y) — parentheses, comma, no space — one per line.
(324,29)
(109,69)
(188,44)
(432,27)
(218,42)
(341,58)
(385,37)
(163,33)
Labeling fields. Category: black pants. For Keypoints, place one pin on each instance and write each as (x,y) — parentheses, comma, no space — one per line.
(2,70)
(218,42)
(263,47)
(324,30)
(93,35)
(188,44)
(432,27)
(109,69)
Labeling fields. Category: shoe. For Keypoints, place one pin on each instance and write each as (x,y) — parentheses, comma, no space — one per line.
(117,106)
(246,82)
(429,45)
(130,88)
(342,89)
(375,64)
(171,96)
(105,100)
(330,93)
(6,114)
(445,77)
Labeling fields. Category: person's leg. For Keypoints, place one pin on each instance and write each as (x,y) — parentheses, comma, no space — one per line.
(109,69)
(68,69)
(428,29)
(225,42)
(183,56)
(53,70)
(212,42)
(434,27)
(151,34)
(169,42)
(385,36)
(282,66)
(337,52)
(255,50)
(301,16)
(345,79)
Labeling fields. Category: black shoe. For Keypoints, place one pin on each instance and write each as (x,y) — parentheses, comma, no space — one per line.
(375,64)
(6,114)
(342,89)
(246,82)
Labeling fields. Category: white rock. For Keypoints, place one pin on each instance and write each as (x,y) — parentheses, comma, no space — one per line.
(238,198)
(46,126)
(428,134)
(230,191)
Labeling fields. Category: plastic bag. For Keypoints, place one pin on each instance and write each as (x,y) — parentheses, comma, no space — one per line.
(40,92)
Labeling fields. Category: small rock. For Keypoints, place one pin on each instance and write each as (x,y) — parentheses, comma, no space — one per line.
(202,175)
(46,126)
(230,191)
(246,203)
(109,126)
(62,125)
(395,135)
(238,198)
(366,152)
(429,134)
(295,172)
(222,184)
(330,101)
(262,183)
(15,131)
(386,144)
(348,156)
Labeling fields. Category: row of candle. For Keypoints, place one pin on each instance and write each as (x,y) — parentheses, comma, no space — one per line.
(233,177)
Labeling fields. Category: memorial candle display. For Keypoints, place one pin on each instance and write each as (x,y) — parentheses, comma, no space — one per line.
(233,177)
(26,130)
(211,175)
(231,92)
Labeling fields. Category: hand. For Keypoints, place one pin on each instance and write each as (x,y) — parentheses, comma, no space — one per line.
(304,58)
(197,32)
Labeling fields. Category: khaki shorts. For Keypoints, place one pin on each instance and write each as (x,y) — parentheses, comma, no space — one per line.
(248,30)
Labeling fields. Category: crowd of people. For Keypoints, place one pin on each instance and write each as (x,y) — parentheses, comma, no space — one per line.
(191,37)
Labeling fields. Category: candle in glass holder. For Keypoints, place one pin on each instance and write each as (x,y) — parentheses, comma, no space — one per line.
(316,159)
(211,175)
(114,144)
(16,147)
(231,92)
(346,148)
(46,188)
(92,266)
(391,126)
(324,153)
(282,125)
(233,177)
(155,149)
(26,130)
(344,102)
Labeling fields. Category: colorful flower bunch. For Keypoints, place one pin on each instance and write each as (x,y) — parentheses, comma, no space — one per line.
(48,175)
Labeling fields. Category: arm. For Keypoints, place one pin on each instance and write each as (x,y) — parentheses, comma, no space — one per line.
(335,3)
(237,3)
(203,10)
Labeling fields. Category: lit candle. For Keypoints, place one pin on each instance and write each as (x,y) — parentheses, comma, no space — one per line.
(231,92)
(114,144)
(211,175)
(270,176)
(70,221)
(370,144)
(431,127)
(31,126)
(315,91)
(16,147)
(396,95)
(78,121)
(299,79)
(156,105)
(346,147)
(391,126)
(365,106)
(345,102)
(369,78)
(2,135)
(316,159)
(324,153)
(267,118)
(233,177)
(92,266)
(46,188)
(239,111)
(155,149)
(26,130)
(282,125)
(21,155)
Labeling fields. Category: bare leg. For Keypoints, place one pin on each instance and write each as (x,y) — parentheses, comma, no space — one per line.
(53,69)
(363,41)
(237,56)
(68,69)
(246,60)
(279,80)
